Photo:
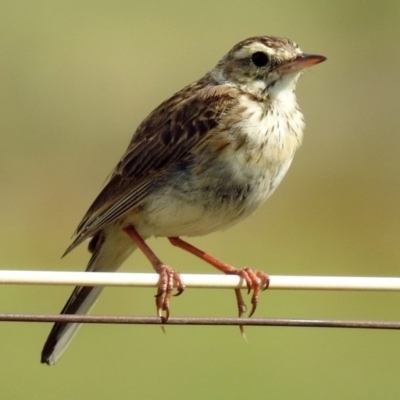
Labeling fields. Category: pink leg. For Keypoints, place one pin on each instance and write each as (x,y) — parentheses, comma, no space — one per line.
(255,280)
(168,277)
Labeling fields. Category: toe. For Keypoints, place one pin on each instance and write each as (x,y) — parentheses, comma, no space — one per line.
(167,279)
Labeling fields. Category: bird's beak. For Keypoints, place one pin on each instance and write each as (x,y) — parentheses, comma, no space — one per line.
(301,62)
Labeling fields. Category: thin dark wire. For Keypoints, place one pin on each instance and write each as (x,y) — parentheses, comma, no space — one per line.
(111,319)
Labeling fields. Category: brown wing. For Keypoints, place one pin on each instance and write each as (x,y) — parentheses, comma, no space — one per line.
(165,137)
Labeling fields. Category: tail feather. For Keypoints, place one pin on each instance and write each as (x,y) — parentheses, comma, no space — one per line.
(81,301)
(110,249)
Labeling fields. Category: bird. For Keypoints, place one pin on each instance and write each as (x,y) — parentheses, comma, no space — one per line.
(203,160)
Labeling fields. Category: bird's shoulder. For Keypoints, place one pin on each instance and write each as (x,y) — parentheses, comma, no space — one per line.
(165,137)
(176,126)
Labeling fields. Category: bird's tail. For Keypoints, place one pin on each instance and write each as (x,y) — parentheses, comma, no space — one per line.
(109,252)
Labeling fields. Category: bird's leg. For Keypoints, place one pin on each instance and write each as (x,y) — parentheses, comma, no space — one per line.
(255,280)
(168,276)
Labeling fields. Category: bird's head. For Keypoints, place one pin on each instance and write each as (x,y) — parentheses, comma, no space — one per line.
(264,66)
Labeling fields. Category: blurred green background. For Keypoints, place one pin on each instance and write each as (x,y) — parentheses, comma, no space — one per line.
(77,77)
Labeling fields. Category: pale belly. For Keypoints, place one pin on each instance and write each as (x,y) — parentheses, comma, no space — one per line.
(219,197)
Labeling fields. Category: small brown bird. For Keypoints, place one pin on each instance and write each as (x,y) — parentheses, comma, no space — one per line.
(203,160)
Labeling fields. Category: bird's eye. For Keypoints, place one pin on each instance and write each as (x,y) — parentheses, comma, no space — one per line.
(260,59)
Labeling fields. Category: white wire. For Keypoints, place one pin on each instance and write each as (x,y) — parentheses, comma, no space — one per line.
(11,277)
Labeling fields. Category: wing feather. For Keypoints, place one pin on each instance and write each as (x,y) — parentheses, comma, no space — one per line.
(166,137)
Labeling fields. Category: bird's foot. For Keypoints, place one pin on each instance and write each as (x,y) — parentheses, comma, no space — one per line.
(168,279)
(255,281)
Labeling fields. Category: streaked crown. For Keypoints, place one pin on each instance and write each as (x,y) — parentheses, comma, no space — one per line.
(257,63)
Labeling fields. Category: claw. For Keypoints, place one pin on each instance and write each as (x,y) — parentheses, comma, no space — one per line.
(264,279)
(240,303)
(254,301)
(241,309)
(168,278)
(180,286)
(178,293)
(166,317)
(256,281)
(243,333)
